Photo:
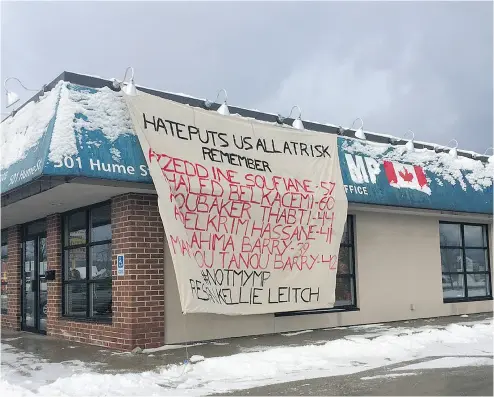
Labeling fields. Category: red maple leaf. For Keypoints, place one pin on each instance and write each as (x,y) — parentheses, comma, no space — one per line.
(407,176)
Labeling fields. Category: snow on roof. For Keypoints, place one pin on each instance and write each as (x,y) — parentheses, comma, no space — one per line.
(82,110)
(445,166)
(23,130)
(377,134)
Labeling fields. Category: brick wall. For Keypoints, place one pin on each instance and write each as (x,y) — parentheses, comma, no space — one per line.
(54,259)
(137,297)
(12,319)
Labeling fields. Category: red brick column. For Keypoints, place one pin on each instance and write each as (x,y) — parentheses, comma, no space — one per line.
(12,319)
(138,302)
(54,258)
(139,295)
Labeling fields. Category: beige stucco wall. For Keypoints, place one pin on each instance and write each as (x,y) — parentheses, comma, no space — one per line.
(398,277)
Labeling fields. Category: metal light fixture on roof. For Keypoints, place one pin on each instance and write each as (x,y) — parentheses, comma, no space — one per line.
(490,159)
(297,123)
(223,109)
(12,97)
(359,133)
(130,87)
(453,152)
(409,145)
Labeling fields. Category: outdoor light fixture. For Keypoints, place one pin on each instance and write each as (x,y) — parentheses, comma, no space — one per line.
(297,123)
(453,152)
(12,97)
(130,87)
(409,145)
(223,109)
(490,159)
(360,131)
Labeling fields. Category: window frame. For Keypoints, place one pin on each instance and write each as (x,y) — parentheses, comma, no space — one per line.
(350,222)
(5,233)
(464,273)
(88,282)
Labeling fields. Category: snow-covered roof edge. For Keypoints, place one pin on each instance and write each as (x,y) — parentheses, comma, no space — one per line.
(100,82)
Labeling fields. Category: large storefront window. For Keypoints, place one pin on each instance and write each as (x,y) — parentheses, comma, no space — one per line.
(87,257)
(345,289)
(3,273)
(464,262)
(345,276)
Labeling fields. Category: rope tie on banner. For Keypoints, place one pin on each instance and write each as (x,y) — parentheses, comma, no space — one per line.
(186,361)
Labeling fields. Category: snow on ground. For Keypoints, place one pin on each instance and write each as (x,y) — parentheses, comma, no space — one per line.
(448,362)
(32,371)
(389,376)
(297,333)
(171,347)
(258,368)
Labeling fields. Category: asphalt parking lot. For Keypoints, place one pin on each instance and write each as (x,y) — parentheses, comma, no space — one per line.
(464,381)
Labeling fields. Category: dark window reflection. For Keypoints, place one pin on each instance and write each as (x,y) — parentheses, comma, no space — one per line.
(345,279)
(88,263)
(101,223)
(464,261)
(76,229)
(3,274)
(76,300)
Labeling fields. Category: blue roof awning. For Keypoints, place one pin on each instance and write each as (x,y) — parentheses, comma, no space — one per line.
(80,131)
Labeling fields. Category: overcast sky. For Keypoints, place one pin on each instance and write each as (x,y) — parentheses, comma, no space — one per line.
(424,66)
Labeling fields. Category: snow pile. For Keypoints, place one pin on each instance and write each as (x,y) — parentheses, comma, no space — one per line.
(448,362)
(388,376)
(82,110)
(15,366)
(296,333)
(10,390)
(24,130)
(460,170)
(282,364)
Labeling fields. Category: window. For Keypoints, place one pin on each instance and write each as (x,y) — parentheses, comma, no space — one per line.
(3,274)
(345,276)
(345,289)
(87,258)
(464,262)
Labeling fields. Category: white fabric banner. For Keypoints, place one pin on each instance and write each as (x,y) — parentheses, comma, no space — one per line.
(253,212)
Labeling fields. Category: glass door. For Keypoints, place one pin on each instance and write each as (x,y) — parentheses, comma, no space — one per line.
(34,287)
(29,286)
(43,292)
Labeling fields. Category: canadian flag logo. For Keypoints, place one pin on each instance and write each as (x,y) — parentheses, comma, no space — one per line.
(406,176)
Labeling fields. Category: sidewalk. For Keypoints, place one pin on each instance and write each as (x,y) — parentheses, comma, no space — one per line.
(34,361)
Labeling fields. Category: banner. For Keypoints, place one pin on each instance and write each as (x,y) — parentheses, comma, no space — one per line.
(253,212)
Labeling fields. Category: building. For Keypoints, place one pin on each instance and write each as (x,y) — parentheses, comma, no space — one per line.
(76,193)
